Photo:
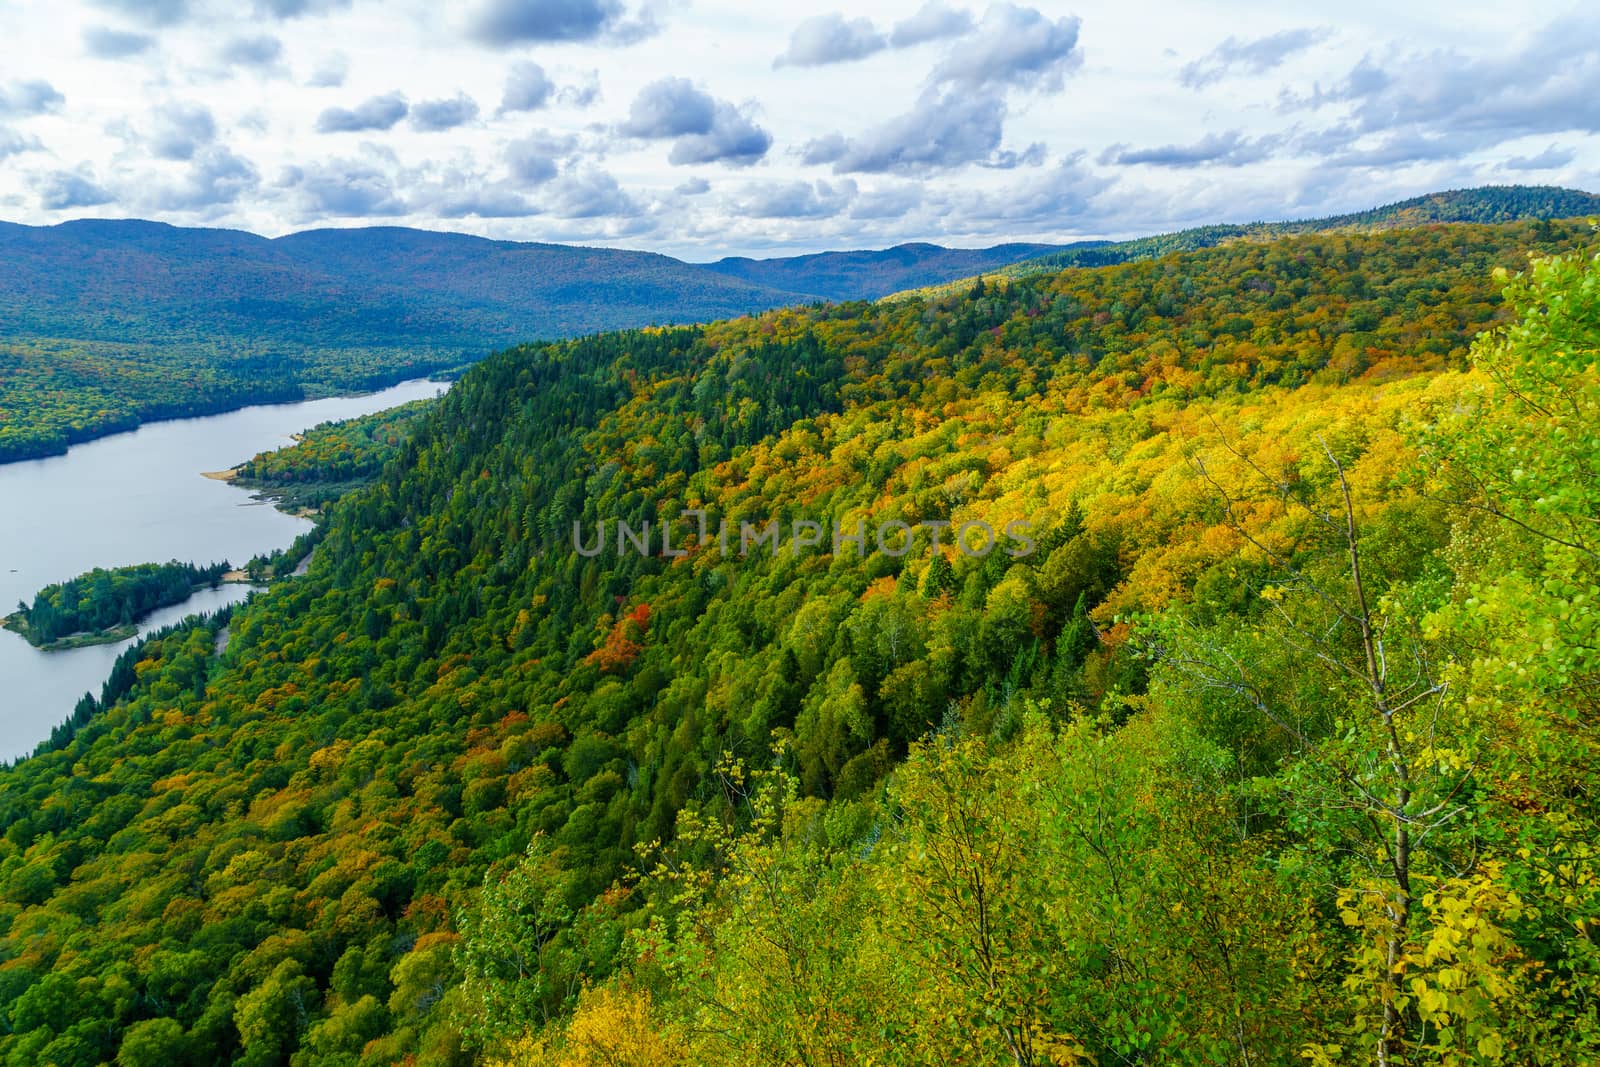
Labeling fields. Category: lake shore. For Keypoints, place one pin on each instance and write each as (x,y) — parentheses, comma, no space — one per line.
(146,477)
(82,639)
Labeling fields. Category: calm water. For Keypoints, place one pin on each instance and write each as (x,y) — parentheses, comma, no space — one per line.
(138,497)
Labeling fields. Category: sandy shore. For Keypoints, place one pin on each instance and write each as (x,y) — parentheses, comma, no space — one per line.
(221,476)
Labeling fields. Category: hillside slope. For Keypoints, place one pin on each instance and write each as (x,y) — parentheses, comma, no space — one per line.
(374,287)
(104,324)
(461,769)
(869,275)
(1488,204)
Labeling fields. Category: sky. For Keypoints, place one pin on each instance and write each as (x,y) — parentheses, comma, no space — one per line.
(703,128)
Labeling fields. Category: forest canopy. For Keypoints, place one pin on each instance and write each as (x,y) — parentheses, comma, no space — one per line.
(1281,746)
(106,603)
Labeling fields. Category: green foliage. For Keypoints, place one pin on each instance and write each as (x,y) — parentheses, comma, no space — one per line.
(59,389)
(331,459)
(103,601)
(460,786)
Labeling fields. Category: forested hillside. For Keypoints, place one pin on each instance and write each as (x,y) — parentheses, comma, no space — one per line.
(108,323)
(105,324)
(331,459)
(55,393)
(1274,743)
(1505,203)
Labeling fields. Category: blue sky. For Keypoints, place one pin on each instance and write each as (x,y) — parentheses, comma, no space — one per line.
(711,127)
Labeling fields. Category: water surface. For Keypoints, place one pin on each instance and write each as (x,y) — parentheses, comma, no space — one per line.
(138,497)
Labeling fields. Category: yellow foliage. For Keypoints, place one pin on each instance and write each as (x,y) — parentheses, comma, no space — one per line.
(612,1026)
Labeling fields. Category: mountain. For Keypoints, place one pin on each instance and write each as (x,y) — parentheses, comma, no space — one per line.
(869,275)
(1491,203)
(1249,692)
(104,324)
(381,286)
(369,287)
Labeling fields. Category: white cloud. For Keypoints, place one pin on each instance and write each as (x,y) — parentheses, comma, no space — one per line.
(970,121)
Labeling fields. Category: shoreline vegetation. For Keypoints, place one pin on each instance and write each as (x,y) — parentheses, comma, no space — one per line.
(105,606)
(328,461)
(124,674)
(322,465)
(20,442)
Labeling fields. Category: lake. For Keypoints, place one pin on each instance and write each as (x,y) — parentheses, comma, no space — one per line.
(139,497)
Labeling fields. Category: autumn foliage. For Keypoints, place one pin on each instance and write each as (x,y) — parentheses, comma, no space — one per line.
(461,794)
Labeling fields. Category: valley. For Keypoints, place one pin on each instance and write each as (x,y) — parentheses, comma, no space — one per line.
(1285,722)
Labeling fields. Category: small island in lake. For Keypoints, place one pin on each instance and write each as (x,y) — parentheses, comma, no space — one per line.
(105,606)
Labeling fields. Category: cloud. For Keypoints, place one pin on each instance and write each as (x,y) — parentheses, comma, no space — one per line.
(797,200)
(343,188)
(1014,47)
(432,116)
(587,194)
(149,12)
(693,187)
(1230,149)
(331,72)
(1032,156)
(490,202)
(105,43)
(933,22)
(507,23)
(28,98)
(536,158)
(829,148)
(528,88)
(216,178)
(581,95)
(831,38)
(959,118)
(1551,158)
(1398,148)
(13,143)
(179,130)
(671,107)
(888,202)
(733,139)
(262,50)
(378,113)
(288,9)
(946,128)
(1053,197)
(1255,56)
(1365,79)
(703,128)
(64,190)
(1416,107)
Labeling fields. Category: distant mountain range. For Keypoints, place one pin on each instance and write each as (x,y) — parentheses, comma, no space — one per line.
(370,287)
(135,281)
(147,281)
(106,324)
(869,275)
